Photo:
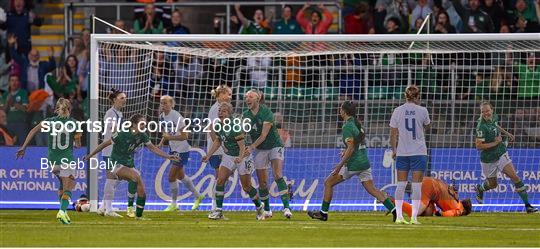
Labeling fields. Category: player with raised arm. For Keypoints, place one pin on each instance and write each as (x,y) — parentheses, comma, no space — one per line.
(223,94)
(124,144)
(112,117)
(60,153)
(354,161)
(231,138)
(436,194)
(173,123)
(494,156)
(409,121)
(268,149)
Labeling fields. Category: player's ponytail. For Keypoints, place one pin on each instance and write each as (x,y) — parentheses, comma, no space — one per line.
(219,90)
(412,93)
(63,107)
(350,108)
(113,94)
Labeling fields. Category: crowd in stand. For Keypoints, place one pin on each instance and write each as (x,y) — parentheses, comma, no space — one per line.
(26,82)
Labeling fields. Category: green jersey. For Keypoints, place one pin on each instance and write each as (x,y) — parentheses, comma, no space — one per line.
(15,115)
(487,131)
(528,86)
(60,145)
(254,29)
(124,144)
(263,115)
(229,143)
(359,160)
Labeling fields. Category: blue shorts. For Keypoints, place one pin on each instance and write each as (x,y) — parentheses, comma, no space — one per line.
(411,163)
(215,161)
(184,157)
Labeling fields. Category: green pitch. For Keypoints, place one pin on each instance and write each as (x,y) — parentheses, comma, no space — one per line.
(193,229)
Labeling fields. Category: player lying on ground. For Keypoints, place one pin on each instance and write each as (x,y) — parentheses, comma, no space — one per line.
(494,156)
(408,122)
(268,149)
(354,161)
(60,149)
(124,144)
(436,194)
(233,145)
(223,94)
(114,116)
(178,146)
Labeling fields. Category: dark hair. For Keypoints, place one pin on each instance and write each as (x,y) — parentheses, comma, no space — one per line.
(66,66)
(350,108)
(287,6)
(113,94)
(467,206)
(361,8)
(395,20)
(135,118)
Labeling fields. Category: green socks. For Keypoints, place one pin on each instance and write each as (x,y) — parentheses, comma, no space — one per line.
(485,187)
(264,195)
(325,206)
(254,197)
(132,190)
(141,201)
(220,192)
(388,204)
(64,200)
(283,192)
(522,192)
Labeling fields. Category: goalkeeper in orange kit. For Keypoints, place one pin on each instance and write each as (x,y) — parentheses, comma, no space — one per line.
(440,199)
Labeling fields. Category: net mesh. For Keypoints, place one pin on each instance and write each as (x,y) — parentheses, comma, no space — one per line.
(304,84)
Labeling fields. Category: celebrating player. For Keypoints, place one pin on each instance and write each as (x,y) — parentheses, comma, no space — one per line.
(494,156)
(60,150)
(437,194)
(232,159)
(268,148)
(409,121)
(124,144)
(356,162)
(112,117)
(223,94)
(179,147)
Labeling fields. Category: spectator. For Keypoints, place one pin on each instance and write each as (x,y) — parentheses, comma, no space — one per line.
(18,22)
(443,25)
(422,10)
(5,68)
(32,70)
(355,23)
(6,136)
(287,25)
(495,11)
(177,27)
(162,12)
(393,26)
(78,48)
(121,25)
(149,22)
(160,80)
(526,20)
(83,72)
(475,20)
(504,28)
(65,83)
(235,25)
(528,78)
(188,71)
(417,26)
(258,71)
(15,102)
(258,26)
(317,24)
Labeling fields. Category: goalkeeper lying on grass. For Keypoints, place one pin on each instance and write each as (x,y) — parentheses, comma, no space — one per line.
(440,199)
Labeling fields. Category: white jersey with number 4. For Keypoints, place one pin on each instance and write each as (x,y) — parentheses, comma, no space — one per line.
(212,115)
(114,117)
(410,119)
(173,123)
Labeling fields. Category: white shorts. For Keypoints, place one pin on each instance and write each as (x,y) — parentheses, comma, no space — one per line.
(491,169)
(363,175)
(263,157)
(64,170)
(244,168)
(120,166)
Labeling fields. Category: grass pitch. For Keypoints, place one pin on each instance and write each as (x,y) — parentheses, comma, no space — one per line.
(194,229)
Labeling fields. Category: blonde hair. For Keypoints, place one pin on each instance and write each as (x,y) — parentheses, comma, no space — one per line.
(259,93)
(412,93)
(168,98)
(63,107)
(228,106)
(219,90)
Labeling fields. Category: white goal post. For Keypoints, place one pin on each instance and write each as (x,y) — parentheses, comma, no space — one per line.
(306,77)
